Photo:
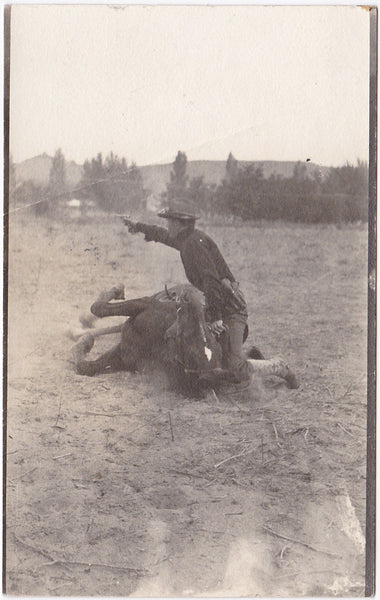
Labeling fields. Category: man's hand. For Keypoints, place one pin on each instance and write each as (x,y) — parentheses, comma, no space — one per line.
(217,327)
(236,296)
(227,283)
(132,225)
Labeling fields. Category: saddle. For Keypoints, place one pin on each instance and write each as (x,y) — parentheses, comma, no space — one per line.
(170,294)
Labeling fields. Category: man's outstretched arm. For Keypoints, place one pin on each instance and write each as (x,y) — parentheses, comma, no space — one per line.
(153,233)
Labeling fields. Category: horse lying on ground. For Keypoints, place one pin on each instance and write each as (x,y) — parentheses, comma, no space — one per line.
(168,328)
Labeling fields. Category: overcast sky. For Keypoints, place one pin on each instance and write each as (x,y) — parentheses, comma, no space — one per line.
(280,83)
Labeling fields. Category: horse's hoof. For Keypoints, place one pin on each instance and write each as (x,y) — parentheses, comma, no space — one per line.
(83,346)
(87,341)
(118,291)
(255,353)
(87,320)
(74,333)
(292,380)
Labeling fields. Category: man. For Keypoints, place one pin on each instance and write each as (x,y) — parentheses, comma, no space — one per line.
(207,270)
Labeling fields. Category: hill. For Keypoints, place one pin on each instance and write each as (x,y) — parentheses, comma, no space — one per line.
(37,169)
(155,177)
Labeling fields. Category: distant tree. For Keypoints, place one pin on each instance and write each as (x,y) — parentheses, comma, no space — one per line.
(29,194)
(115,186)
(93,170)
(201,195)
(57,176)
(348,179)
(299,171)
(177,186)
(244,194)
(231,166)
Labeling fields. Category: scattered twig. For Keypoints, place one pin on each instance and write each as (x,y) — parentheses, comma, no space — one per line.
(276,434)
(215,396)
(98,414)
(345,430)
(208,484)
(210,531)
(50,563)
(62,456)
(262,449)
(350,388)
(233,402)
(79,485)
(71,562)
(306,434)
(158,562)
(288,539)
(59,408)
(37,278)
(171,426)
(188,474)
(137,428)
(89,525)
(30,547)
(243,453)
(104,414)
(282,552)
(137,533)
(23,475)
(330,393)
(231,514)
(294,574)
(79,563)
(229,458)
(61,586)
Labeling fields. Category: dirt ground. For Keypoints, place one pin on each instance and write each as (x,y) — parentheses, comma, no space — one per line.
(117,485)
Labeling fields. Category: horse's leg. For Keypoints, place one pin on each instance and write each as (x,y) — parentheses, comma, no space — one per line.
(274,366)
(75,334)
(115,293)
(126,308)
(107,362)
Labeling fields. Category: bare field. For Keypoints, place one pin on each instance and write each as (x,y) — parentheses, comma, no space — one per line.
(260,493)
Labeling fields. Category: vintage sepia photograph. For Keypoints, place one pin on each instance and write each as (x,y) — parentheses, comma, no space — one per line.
(189,260)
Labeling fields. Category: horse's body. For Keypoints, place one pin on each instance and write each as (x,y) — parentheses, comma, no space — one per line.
(169,329)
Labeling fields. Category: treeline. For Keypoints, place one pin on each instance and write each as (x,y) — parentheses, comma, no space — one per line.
(109,184)
(115,186)
(41,199)
(339,195)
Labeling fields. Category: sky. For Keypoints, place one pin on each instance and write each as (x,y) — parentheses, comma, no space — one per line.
(262,82)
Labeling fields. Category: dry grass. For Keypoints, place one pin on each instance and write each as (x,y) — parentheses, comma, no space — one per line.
(117,486)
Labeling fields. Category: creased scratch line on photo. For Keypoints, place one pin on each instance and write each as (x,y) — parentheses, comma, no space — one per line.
(67,193)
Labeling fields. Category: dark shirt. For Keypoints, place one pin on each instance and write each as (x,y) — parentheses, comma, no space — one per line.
(204,266)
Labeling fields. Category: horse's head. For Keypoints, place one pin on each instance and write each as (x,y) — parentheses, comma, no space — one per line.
(198,350)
